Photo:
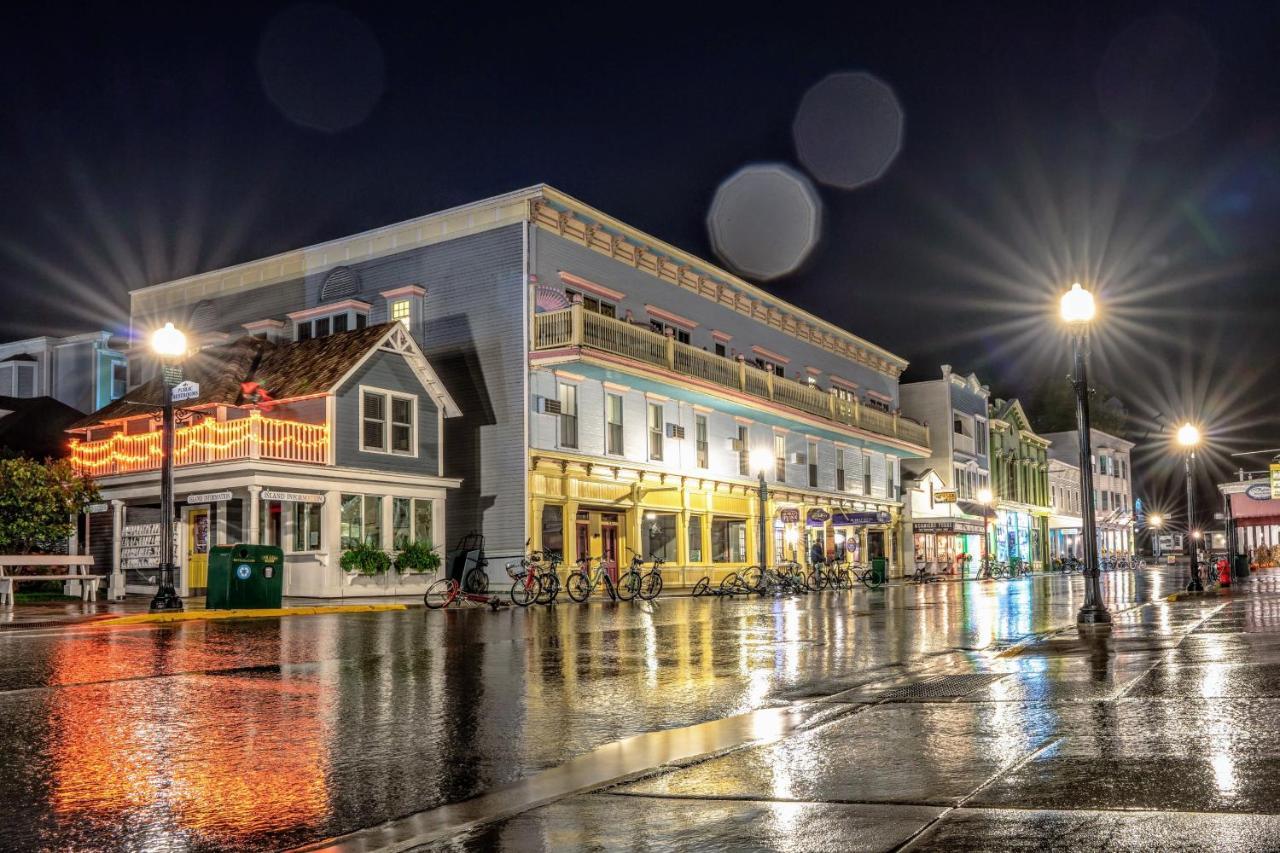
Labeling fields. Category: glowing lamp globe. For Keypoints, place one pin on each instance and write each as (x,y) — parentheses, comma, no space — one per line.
(761,459)
(1188,435)
(984,497)
(1077,305)
(1155,521)
(168,342)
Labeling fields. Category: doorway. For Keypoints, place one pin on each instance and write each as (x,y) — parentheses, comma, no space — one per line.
(197,523)
(609,546)
(875,544)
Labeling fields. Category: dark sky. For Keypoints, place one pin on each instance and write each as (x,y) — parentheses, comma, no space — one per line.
(1132,146)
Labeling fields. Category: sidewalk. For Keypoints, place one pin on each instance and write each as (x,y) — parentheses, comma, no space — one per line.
(1161,733)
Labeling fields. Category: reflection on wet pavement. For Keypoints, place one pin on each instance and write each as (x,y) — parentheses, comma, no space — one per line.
(269,733)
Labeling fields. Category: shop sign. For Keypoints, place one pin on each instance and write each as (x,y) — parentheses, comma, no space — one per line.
(789,516)
(944,497)
(1275,481)
(949,526)
(292,497)
(209,498)
(92,508)
(818,516)
(856,519)
(1259,492)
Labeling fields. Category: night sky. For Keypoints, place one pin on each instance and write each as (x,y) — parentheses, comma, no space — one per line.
(1130,146)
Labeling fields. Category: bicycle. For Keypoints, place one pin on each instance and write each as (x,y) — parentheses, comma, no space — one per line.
(923,575)
(446,592)
(526,585)
(868,577)
(583,580)
(992,570)
(647,585)
(550,578)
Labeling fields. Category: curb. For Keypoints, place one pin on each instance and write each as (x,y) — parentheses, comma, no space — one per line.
(1216,592)
(213,615)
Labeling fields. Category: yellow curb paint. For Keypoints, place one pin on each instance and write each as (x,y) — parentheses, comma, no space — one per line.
(201,615)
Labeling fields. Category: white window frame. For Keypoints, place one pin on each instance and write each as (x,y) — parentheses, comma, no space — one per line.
(387,424)
(395,308)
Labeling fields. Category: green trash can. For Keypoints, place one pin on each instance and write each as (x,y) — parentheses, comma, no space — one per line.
(249,577)
(880,569)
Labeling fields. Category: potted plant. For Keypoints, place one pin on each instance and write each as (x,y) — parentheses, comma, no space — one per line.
(418,558)
(365,559)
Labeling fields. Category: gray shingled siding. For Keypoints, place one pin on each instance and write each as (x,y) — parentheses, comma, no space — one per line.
(555,254)
(472,331)
(388,372)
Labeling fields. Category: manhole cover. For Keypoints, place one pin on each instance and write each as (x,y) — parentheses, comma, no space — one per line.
(944,687)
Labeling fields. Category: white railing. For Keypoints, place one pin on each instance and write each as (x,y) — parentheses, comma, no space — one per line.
(574,327)
(206,442)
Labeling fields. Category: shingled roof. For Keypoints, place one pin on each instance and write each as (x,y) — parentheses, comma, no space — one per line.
(285,370)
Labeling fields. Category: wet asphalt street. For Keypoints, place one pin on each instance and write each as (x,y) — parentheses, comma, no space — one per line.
(945,717)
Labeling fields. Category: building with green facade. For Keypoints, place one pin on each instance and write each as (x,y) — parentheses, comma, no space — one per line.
(1020,486)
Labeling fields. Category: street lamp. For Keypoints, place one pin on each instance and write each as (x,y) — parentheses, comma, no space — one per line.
(761,459)
(985,498)
(1155,522)
(170,346)
(1078,310)
(1189,438)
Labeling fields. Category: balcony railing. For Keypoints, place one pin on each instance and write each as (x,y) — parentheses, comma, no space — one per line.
(574,327)
(207,442)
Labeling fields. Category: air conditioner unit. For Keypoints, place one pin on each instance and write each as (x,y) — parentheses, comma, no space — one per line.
(548,406)
(736,445)
(798,459)
(675,431)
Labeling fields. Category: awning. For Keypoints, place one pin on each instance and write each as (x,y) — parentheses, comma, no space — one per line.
(946,525)
(1065,522)
(1248,512)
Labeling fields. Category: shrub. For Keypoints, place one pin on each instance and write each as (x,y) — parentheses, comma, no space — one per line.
(418,558)
(38,503)
(365,559)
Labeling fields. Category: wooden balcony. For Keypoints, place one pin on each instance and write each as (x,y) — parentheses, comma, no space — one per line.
(204,443)
(574,327)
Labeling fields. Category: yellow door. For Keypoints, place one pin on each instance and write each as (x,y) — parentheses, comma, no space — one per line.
(198,549)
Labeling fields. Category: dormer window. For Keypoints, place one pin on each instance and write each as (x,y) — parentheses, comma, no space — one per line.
(325,320)
(404,304)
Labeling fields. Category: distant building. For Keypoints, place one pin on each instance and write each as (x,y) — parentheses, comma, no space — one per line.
(1020,474)
(1112,484)
(35,427)
(947,520)
(1064,501)
(84,371)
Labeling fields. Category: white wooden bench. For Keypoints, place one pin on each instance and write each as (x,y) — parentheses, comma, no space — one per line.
(74,567)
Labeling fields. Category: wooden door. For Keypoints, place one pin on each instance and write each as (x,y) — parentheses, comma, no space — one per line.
(198,549)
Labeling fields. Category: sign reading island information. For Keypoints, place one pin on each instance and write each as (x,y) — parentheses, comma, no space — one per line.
(292,497)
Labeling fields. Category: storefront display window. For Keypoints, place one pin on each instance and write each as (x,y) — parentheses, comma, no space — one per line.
(695,539)
(660,536)
(728,540)
(553,529)
(360,520)
(272,521)
(306,526)
(410,521)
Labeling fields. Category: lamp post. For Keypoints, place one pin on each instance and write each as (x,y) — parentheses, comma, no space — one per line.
(1077,310)
(985,498)
(169,345)
(760,460)
(1189,439)
(1154,523)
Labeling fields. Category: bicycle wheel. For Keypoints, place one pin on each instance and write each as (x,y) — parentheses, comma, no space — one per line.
(703,586)
(610,588)
(730,584)
(525,591)
(752,577)
(629,585)
(650,586)
(578,586)
(548,587)
(870,579)
(476,581)
(440,593)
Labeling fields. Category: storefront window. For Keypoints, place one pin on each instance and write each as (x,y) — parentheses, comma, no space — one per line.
(728,540)
(306,526)
(553,529)
(272,521)
(410,521)
(660,536)
(373,520)
(360,520)
(695,539)
(422,521)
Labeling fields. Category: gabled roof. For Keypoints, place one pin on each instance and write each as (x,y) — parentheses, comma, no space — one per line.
(285,370)
(35,426)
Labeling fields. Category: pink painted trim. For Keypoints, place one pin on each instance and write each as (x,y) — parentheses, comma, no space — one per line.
(407,290)
(770,354)
(260,325)
(843,383)
(673,319)
(814,371)
(879,396)
(321,310)
(590,286)
(722,337)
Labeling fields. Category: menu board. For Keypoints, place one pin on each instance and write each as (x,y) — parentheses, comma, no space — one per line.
(140,551)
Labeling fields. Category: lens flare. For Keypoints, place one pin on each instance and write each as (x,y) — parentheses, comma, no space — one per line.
(848,129)
(764,221)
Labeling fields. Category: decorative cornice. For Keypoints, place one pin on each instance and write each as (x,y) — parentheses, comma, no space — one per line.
(330,308)
(407,290)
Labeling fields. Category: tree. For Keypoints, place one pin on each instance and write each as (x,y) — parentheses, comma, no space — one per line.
(1052,408)
(39,502)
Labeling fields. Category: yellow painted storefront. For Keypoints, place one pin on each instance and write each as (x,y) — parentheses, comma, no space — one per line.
(584,507)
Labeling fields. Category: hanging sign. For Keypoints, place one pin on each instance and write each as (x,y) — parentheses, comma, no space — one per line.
(789,516)
(92,508)
(292,497)
(818,516)
(1259,492)
(1275,481)
(944,497)
(209,498)
(186,390)
(855,519)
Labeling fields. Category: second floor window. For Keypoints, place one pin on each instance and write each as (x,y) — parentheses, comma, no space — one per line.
(780,458)
(400,312)
(702,447)
(744,453)
(812,459)
(119,379)
(387,422)
(594,305)
(568,416)
(655,432)
(839,469)
(613,424)
(681,335)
